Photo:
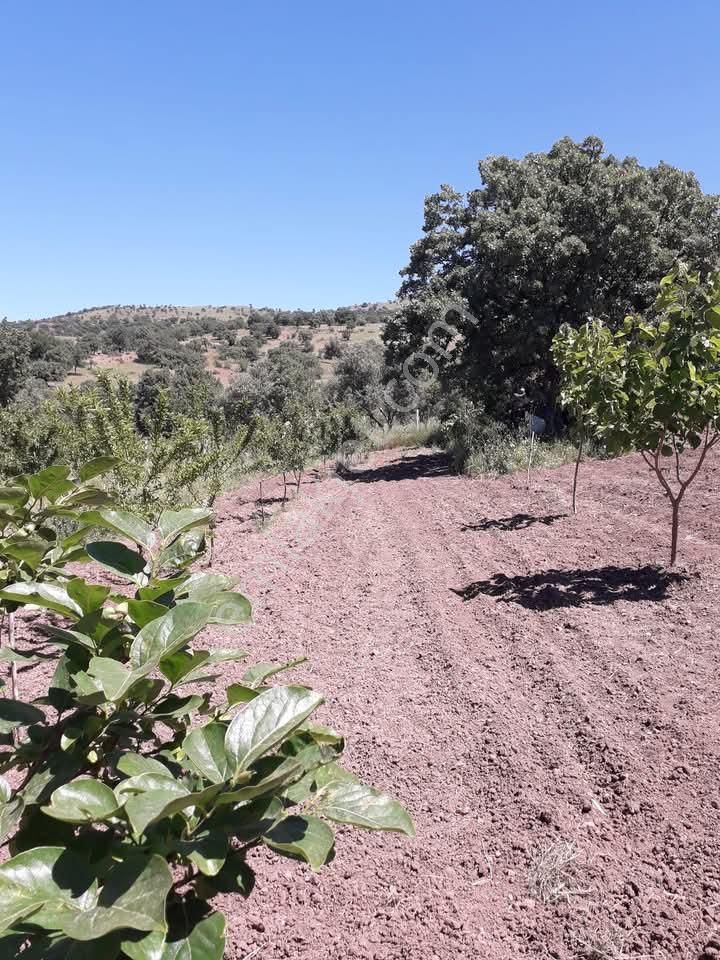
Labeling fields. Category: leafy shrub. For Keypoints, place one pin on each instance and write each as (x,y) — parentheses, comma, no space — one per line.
(133,793)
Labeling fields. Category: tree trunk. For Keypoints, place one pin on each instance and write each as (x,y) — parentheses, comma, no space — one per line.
(262,505)
(13,665)
(530,455)
(284,488)
(577,469)
(675,525)
(211,541)
(298,478)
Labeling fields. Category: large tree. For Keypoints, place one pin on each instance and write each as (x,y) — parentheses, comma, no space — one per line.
(549,239)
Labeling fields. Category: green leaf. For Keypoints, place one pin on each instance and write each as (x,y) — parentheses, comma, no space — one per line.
(51,596)
(28,550)
(10,655)
(116,556)
(143,612)
(229,608)
(135,764)
(266,721)
(97,467)
(150,797)
(206,850)
(168,633)
(175,706)
(158,588)
(14,713)
(239,693)
(206,670)
(270,775)
(89,597)
(11,813)
(205,747)
(111,676)
(256,675)
(204,941)
(126,524)
(69,636)
(363,806)
(82,801)
(234,877)
(133,897)
(307,838)
(174,522)
(14,496)
(180,664)
(37,878)
(201,587)
(40,484)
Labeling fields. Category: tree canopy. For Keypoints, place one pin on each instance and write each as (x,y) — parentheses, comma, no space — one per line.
(549,239)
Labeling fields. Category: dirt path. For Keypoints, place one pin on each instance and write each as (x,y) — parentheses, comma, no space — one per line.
(517,678)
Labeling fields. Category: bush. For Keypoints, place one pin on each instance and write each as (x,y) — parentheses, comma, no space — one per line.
(135,792)
(332,349)
(480,446)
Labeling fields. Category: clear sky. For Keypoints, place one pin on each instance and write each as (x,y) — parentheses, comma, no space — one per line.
(164,151)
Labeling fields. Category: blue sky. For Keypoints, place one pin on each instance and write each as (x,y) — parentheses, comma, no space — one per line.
(226,152)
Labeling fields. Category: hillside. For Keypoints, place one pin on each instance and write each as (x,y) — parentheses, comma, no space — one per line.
(128,340)
(76,323)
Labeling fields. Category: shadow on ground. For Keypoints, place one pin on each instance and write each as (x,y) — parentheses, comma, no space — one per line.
(409,468)
(520,521)
(575,588)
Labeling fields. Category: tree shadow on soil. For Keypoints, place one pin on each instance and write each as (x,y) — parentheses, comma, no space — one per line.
(520,521)
(426,465)
(575,588)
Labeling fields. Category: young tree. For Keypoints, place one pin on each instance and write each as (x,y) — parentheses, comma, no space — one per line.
(362,377)
(591,361)
(673,385)
(658,384)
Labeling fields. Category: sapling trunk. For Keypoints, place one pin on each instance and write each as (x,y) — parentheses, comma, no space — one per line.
(577,469)
(284,488)
(13,664)
(675,527)
(262,504)
(530,455)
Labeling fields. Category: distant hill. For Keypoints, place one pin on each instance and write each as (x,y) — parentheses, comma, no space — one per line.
(208,318)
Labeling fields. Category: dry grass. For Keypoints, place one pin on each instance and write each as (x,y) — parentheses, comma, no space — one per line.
(405,435)
(552,871)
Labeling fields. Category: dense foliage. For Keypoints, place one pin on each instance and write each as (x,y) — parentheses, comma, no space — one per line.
(134,790)
(549,239)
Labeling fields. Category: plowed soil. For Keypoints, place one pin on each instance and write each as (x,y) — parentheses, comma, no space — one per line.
(540,694)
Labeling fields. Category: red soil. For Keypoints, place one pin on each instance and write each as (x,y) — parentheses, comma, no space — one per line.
(520,678)
(517,683)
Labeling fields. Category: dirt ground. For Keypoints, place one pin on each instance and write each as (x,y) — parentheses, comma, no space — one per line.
(541,697)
